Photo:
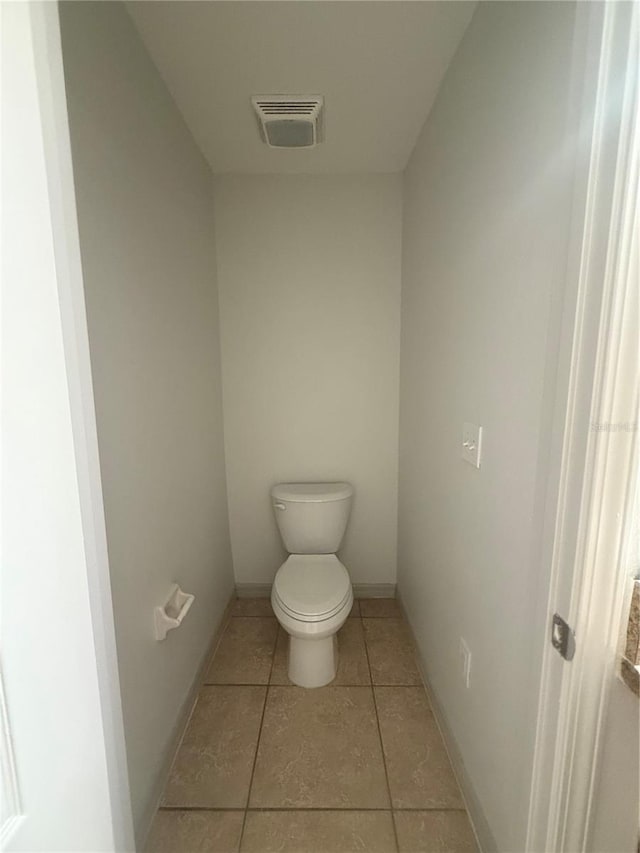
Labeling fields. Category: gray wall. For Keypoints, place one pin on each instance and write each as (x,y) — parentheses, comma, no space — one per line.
(146,224)
(485,229)
(309,273)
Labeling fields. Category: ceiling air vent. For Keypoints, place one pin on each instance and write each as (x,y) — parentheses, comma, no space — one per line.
(289,121)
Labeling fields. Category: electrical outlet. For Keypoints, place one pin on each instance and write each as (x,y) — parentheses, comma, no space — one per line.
(465,662)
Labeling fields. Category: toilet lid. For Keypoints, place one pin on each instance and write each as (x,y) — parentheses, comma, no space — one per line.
(312,586)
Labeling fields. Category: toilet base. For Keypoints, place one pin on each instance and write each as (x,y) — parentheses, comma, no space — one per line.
(313,663)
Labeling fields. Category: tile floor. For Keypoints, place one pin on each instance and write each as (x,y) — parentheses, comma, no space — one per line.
(358,765)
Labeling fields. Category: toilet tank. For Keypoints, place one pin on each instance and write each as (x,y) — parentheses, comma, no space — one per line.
(312,517)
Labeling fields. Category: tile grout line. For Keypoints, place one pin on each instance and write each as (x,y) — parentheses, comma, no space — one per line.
(267,616)
(294,686)
(309,809)
(384,759)
(262,616)
(255,757)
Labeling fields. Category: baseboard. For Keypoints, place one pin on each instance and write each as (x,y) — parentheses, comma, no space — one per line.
(374,590)
(253,590)
(481,828)
(360,590)
(142,831)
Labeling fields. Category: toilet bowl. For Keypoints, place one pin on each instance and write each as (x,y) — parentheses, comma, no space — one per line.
(311,598)
(312,594)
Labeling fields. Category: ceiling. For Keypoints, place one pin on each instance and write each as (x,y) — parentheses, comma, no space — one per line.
(378,64)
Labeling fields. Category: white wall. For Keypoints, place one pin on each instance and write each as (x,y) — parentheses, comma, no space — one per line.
(145,216)
(486,218)
(309,277)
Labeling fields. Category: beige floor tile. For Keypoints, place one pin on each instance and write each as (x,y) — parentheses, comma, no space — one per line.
(380,607)
(355,609)
(252,607)
(245,652)
(319,749)
(195,832)
(435,832)
(420,775)
(391,654)
(213,765)
(318,832)
(353,667)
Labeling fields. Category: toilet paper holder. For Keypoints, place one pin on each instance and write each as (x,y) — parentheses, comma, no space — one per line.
(170,616)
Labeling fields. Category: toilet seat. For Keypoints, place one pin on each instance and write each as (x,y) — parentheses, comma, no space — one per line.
(312,587)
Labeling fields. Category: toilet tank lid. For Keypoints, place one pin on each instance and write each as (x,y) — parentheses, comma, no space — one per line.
(311,492)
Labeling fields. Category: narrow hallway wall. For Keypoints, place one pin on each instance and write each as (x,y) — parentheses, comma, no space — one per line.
(146,222)
(487,210)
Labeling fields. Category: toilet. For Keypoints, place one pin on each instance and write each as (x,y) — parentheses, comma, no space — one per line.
(311,594)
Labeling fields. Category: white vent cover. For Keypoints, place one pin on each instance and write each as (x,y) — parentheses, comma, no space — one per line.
(289,121)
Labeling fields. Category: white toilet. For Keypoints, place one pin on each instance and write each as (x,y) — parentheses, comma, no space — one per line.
(311,594)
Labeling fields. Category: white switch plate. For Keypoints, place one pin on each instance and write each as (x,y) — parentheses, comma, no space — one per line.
(471,444)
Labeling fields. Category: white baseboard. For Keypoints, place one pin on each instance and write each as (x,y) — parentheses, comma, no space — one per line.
(253,590)
(481,828)
(360,590)
(142,830)
(374,590)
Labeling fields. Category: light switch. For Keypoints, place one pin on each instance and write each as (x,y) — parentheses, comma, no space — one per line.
(472,444)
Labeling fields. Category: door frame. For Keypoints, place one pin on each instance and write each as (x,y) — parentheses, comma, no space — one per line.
(41,75)
(49,68)
(589,506)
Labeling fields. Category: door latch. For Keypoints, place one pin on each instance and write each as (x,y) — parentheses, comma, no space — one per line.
(562,637)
